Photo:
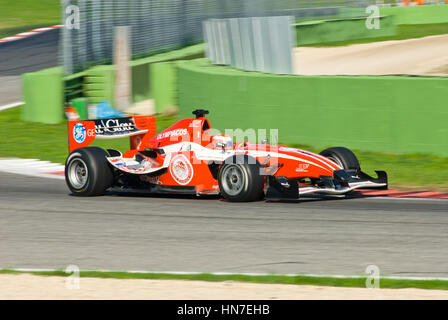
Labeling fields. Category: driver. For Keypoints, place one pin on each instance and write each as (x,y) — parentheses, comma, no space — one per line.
(221,141)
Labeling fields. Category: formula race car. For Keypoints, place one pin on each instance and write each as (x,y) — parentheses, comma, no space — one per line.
(188,158)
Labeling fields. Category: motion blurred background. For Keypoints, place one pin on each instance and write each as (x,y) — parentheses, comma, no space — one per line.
(366,75)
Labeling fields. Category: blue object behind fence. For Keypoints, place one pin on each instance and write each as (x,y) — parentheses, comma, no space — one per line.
(104,110)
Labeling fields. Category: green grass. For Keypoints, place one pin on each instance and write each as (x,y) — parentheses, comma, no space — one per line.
(49,142)
(22,15)
(405,31)
(269,279)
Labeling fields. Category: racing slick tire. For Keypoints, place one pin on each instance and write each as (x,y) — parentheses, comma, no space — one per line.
(87,172)
(343,157)
(240,180)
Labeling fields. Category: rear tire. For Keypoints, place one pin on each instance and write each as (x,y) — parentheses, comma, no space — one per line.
(240,180)
(87,172)
(343,157)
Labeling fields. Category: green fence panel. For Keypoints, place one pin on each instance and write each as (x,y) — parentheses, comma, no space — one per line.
(396,114)
(99,84)
(99,81)
(164,86)
(141,89)
(342,30)
(142,78)
(418,14)
(43,92)
(46,91)
(81,106)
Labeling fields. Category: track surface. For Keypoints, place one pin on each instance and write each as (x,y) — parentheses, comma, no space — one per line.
(30,54)
(42,226)
(10,89)
(26,55)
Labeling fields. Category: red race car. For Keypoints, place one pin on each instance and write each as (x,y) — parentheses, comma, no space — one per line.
(187,158)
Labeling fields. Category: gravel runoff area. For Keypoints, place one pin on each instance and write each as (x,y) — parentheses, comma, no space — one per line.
(25,286)
(422,56)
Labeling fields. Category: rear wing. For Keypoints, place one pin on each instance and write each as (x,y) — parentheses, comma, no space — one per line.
(83,133)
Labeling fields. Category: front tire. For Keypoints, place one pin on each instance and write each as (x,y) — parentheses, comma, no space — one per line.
(343,157)
(87,172)
(240,180)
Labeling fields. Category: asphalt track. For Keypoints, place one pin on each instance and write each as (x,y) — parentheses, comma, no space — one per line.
(31,54)
(26,55)
(42,226)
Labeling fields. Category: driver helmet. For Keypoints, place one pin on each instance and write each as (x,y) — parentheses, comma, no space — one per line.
(222,141)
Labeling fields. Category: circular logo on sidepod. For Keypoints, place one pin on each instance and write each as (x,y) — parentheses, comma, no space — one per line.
(181,169)
(79,133)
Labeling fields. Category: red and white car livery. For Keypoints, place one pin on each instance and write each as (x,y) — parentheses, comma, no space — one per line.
(188,158)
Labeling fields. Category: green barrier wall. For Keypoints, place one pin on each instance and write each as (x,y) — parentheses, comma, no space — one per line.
(418,14)
(390,114)
(99,84)
(143,82)
(44,96)
(81,105)
(99,81)
(163,77)
(342,30)
(46,91)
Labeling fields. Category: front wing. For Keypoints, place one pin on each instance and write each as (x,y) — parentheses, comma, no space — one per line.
(342,183)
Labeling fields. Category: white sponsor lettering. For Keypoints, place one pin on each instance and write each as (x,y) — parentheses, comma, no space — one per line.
(172,133)
(91,132)
(113,125)
(303,167)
